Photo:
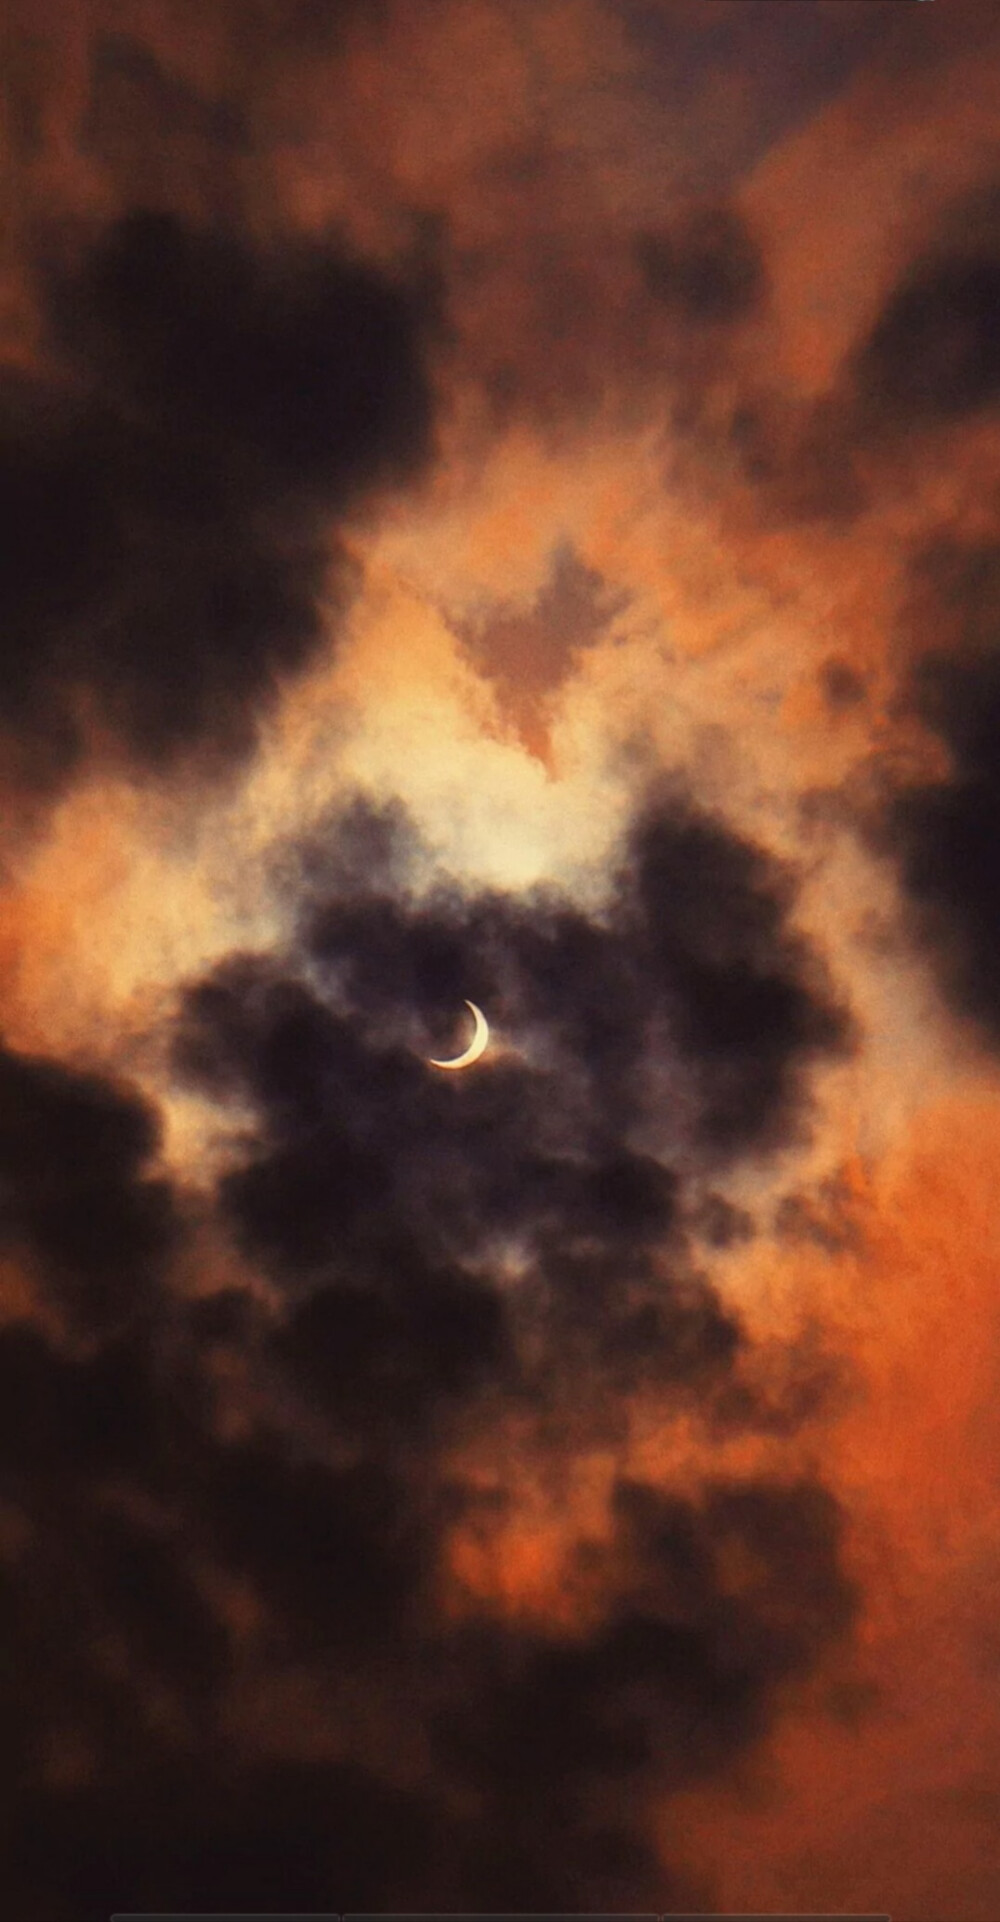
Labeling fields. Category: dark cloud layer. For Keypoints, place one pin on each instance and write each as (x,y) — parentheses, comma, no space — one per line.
(75,1196)
(161,141)
(381,1196)
(710,269)
(947,833)
(745,998)
(124,1785)
(533,1742)
(238,1670)
(168,493)
(933,355)
(510,1759)
(675,1679)
(793,60)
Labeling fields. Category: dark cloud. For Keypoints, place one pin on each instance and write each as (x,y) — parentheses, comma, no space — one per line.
(361,1141)
(164,144)
(118,1663)
(230,1498)
(102,1416)
(933,354)
(799,458)
(720,1222)
(169,497)
(708,268)
(386,1198)
(946,834)
(822,1219)
(124,1782)
(943,833)
(74,1191)
(26,85)
(138,1577)
(381,1354)
(174,1830)
(793,61)
(953,600)
(745,1002)
(294,375)
(263,36)
(337,1554)
(677,1676)
(360,848)
(843,686)
(533,1743)
(373,1184)
(930,358)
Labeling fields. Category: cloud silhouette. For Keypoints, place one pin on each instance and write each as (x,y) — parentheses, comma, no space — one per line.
(76,1198)
(171,487)
(944,833)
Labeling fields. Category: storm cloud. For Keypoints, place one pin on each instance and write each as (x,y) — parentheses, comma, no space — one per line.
(171,487)
(945,833)
(383,1203)
(77,1197)
(540,456)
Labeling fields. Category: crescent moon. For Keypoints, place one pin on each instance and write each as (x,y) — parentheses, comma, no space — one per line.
(476,1046)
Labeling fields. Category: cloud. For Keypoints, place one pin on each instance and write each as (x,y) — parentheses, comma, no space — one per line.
(922,363)
(386,1203)
(278,1833)
(96,1416)
(742,992)
(382,1360)
(529,653)
(171,494)
(671,1681)
(201,1564)
(373,1181)
(946,833)
(418,1510)
(709,270)
(932,354)
(165,144)
(76,1197)
(695,949)
(133,1784)
(842,685)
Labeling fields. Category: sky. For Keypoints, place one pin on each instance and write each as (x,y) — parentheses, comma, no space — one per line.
(501,503)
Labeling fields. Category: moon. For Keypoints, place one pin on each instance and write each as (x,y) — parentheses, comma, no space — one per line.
(476,1046)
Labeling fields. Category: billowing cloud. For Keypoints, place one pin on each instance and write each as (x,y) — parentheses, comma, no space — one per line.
(544,455)
(945,831)
(448,1262)
(77,1198)
(932,354)
(171,491)
(709,271)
